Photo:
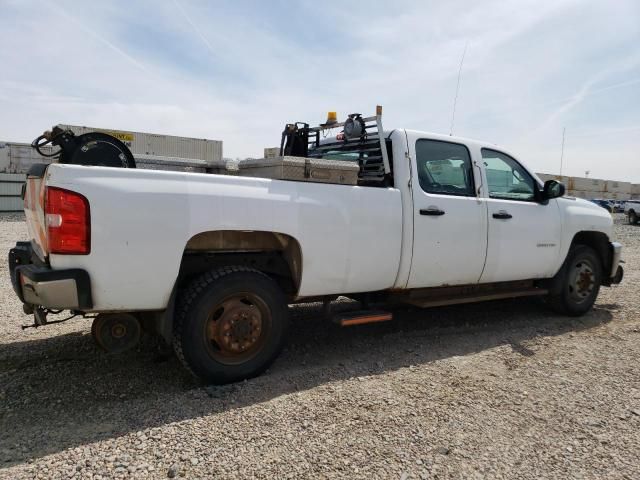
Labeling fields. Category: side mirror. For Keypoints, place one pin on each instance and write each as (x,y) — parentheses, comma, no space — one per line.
(552,189)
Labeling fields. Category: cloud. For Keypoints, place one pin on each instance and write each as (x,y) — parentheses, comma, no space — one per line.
(237,71)
(587,88)
(86,28)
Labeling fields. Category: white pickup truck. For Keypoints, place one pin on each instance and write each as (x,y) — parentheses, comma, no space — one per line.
(211,262)
(632,211)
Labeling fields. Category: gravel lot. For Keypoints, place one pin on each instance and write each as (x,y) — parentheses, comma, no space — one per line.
(495,390)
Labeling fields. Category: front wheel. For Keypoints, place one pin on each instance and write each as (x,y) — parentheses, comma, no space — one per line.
(632,217)
(579,282)
(230,324)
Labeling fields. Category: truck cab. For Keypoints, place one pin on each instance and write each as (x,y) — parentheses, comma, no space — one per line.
(480,216)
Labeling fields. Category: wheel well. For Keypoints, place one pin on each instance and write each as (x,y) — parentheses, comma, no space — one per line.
(276,254)
(599,242)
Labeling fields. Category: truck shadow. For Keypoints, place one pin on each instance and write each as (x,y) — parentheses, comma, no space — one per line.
(61,392)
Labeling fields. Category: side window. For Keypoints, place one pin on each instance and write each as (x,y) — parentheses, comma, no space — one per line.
(444,168)
(506,178)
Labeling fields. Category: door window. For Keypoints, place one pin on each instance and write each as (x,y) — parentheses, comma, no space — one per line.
(444,168)
(506,178)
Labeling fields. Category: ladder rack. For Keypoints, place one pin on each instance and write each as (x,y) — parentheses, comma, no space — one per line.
(361,136)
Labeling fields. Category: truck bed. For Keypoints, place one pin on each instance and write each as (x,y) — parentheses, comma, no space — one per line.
(141,221)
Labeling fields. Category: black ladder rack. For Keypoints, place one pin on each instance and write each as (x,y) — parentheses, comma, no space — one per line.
(299,139)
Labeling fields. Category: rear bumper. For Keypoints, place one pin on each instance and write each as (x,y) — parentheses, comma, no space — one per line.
(39,285)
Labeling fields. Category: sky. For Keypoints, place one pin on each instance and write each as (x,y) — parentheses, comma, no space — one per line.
(237,71)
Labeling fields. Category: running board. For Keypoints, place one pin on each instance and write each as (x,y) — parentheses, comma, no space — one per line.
(361,317)
(438,302)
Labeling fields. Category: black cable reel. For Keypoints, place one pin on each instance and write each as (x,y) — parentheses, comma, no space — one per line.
(354,127)
(93,148)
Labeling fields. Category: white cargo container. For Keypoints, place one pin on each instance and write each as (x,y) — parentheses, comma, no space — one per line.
(11,204)
(11,192)
(141,143)
(560,178)
(18,157)
(588,184)
(4,157)
(618,187)
(151,151)
(596,194)
(577,194)
(271,152)
(618,196)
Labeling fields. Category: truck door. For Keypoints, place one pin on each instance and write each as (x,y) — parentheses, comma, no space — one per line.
(450,219)
(524,234)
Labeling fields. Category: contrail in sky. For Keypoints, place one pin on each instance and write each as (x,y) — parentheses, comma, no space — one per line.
(195,27)
(100,38)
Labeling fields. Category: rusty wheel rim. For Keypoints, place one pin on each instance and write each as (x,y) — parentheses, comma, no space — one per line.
(237,328)
(582,281)
(118,330)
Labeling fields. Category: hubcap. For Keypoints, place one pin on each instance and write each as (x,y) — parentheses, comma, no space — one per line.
(118,330)
(581,281)
(236,328)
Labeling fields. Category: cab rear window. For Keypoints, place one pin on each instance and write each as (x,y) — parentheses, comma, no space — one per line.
(444,168)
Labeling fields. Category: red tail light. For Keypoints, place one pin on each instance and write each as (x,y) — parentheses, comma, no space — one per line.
(68,222)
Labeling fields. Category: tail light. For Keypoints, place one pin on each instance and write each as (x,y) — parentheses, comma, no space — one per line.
(68,222)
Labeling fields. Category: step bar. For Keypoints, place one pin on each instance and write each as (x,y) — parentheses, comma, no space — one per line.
(440,296)
(361,317)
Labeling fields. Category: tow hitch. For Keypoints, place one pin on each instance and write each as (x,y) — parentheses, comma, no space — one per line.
(40,316)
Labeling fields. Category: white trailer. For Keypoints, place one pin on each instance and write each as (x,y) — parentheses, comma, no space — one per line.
(158,145)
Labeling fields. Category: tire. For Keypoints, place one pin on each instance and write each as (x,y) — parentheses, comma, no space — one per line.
(577,284)
(632,217)
(116,333)
(230,324)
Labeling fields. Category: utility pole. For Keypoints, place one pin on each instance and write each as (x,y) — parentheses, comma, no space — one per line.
(562,150)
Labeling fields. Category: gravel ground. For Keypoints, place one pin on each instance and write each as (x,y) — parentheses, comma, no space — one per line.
(495,390)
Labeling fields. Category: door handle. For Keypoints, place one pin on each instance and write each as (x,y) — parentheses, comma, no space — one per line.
(502,215)
(432,211)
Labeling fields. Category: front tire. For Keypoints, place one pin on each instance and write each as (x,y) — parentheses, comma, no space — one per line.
(577,283)
(632,217)
(230,324)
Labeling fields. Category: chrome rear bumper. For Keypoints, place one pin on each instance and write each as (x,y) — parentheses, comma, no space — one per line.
(39,285)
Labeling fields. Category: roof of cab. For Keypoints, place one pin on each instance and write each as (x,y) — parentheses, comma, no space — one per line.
(451,138)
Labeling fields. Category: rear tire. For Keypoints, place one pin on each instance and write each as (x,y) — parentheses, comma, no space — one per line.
(632,217)
(230,324)
(577,284)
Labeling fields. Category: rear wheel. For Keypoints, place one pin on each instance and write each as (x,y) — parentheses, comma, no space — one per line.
(579,282)
(230,325)
(632,217)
